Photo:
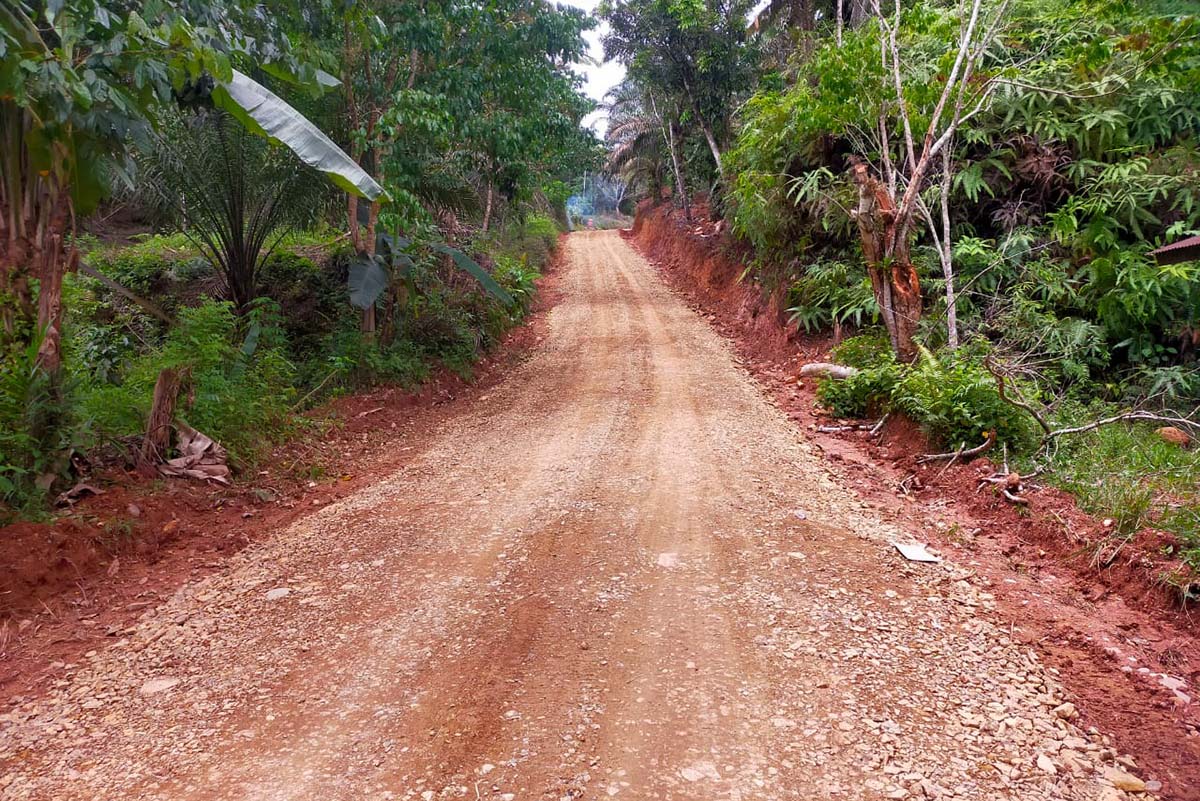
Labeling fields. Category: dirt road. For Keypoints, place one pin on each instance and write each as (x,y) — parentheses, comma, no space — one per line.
(621,574)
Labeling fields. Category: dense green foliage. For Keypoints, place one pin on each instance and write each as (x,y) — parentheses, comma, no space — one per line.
(466,115)
(1085,159)
(249,376)
(1070,152)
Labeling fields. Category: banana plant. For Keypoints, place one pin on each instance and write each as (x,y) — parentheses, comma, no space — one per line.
(371,274)
(263,112)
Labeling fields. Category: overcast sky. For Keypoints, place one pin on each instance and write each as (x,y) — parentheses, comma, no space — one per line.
(599,78)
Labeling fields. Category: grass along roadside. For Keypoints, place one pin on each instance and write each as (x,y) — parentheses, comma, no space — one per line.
(1125,473)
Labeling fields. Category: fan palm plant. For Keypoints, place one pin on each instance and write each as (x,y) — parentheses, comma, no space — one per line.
(640,142)
(236,194)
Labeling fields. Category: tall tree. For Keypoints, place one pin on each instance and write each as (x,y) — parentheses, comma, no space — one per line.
(697,53)
(443,96)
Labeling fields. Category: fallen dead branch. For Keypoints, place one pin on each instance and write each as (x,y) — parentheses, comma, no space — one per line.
(1012,484)
(962,453)
(911,482)
(1049,434)
(838,372)
(1018,401)
(874,428)
(1178,422)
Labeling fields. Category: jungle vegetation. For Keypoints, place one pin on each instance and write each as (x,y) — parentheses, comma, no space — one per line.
(962,192)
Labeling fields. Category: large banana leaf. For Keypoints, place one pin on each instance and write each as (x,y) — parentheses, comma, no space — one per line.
(265,113)
(367,280)
(469,265)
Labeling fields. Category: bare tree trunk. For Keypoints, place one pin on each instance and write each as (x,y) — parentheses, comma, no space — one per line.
(712,146)
(157,441)
(352,221)
(894,280)
(487,208)
(946,252)
(680,188)
(706,129)
(839,22)
(669,137)
(368,315)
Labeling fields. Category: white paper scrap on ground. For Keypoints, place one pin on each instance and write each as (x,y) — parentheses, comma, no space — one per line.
(915,552)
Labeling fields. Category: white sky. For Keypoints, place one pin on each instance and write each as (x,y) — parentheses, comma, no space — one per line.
(599,77)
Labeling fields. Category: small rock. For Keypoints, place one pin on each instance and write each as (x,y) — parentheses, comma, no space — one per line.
(1066,711)
(486,769)
(155,686)
(1124,781)
(1046,764)
(277,593)
(700,770)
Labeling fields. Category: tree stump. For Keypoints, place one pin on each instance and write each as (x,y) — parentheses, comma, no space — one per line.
(157,441)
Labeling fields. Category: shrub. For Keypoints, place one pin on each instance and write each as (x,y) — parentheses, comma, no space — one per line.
(951,395)
(869,391)
(360,363)
(240,382)
(536,240)
(518,279)
(312,299)
(145,265)
(832,292)
(35,436)
(955,401)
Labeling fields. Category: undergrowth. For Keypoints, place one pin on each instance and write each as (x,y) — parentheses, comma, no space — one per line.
(1135,478)
(1125,473)
(248,377)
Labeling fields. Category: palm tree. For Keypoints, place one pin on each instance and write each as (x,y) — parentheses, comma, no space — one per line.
(641,140)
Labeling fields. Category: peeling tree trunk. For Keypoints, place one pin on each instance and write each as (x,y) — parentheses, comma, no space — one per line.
(894,280)
(55,263)
(36,221)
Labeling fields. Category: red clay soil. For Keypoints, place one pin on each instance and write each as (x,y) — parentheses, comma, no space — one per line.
(1098,613)
(89,573)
